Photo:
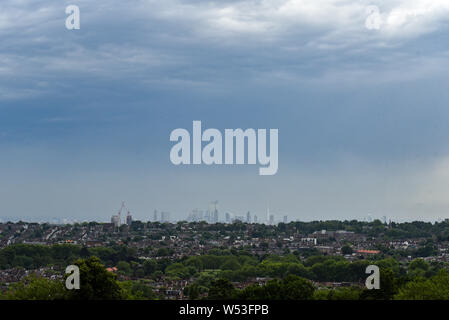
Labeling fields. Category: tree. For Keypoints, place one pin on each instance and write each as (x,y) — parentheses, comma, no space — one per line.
(137,290)
(388,287)
(221,289)
(418,268)
(162,252)
(426,251)
(37,288)
(290,288)
(124,267)
(346,249)
(149,266)
(192,291)
(253,292)
(296,288)
(351,293)
(96,283)
(84,252)
(179,270)
(231,264)
(435,288)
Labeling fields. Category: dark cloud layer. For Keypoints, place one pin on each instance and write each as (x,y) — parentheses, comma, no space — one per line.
(362,114)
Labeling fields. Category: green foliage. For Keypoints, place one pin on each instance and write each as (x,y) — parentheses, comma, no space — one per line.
(35,256)
(221,289)
(149,266)
(346,293)
(137,290)
(162,252)
(346,249)
(36,288)
(178,270)
(418,268)
(289,288)
(193,291)
(232,263)
(435,288)
(124,267)
(388,287)
(96,283)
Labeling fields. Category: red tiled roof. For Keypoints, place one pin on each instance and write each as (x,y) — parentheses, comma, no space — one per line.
(368,251)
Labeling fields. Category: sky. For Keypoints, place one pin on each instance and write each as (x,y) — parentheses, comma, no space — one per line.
(360,100)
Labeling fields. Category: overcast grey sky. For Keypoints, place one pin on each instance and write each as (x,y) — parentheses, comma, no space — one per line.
(362,113)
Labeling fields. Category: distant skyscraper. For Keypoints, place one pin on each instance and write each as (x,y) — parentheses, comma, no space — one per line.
(155,216)
(271,221)
(207,217)
(195,215)
(192,216)
(228,217)
(213,215)
(248,217)
(255,219)
(129,219)
(165,216)
(116,220)
(285,219)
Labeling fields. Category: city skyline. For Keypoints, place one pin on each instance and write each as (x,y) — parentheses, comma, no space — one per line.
(203,215)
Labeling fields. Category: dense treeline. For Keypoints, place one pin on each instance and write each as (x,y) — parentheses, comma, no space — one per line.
(98,284)
(234,265)
(293,287)
(36,256)
(213,274)
(238,268)
(393,230)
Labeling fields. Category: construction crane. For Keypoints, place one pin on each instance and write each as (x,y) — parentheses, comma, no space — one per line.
(121,209)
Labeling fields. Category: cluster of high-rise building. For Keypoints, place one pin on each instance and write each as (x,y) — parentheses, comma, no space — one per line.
(158,216)
(162,216)
(230,218)
(211,215)
(117,219)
